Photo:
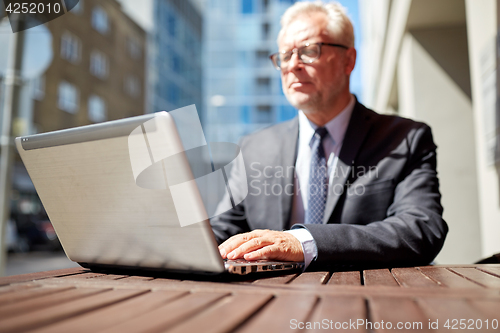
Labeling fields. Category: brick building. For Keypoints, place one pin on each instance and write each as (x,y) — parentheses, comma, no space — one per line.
(98,69)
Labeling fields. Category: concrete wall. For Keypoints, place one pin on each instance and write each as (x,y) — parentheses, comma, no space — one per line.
(482,34)
(427,93)
(436,61)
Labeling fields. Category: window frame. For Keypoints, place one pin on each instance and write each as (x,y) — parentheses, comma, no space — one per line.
(100,20)
(65,93)
(99,64)
(71,47)
(99,114)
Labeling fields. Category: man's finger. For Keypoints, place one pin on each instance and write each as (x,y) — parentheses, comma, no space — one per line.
(267,253)
(231,244)
(235,241)
(249,246)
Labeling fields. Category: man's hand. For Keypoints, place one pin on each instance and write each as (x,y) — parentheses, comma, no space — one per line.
(262,244)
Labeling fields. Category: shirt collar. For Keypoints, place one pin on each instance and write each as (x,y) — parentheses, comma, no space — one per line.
(336,127)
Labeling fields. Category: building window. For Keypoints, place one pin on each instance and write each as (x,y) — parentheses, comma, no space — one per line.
(38,88)
(173,93)
(100,20)
(266,29)
(70,47)
(287,112)
(262,58)
(246,6)
(134,48)
(171,22)
(99,64)
(245,114)
(176,63)
(263,114)
(265,5)
(78,8)
(263,86)
(132,86)
(68,97)
(96,109)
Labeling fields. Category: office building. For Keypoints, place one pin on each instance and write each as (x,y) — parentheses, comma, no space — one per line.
(98,69)
(97,73)
(242,90)
(175,74)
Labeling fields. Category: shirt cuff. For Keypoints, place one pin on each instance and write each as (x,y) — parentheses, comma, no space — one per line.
(308,244)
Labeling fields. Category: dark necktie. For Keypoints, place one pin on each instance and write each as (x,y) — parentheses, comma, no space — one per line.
(318,180)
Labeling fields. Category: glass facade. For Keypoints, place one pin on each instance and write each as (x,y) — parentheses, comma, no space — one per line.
(242,90)
(175,56)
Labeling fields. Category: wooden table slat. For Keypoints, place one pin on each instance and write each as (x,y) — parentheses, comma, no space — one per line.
(225,316)
(346,278)
(447,278)
(479,276)
(169,314)
(163,281)
(17,287)
(136,278)
(443,309)
(491,270)
(412,277)
(284,279)
(12,297)
(489,308)
(394,310)
(276,316)
(82,276)
(40,275)
(379,277)
(311,278)
(28,305)
(114,314)
(140,303)
(55,313)
(104,277)
(341,309)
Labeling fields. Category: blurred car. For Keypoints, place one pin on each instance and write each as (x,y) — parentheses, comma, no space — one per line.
(34,233)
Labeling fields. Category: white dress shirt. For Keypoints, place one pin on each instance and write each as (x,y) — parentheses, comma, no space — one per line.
(332,144)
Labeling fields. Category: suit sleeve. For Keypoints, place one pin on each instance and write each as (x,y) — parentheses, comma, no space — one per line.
(233,221)
(413,232)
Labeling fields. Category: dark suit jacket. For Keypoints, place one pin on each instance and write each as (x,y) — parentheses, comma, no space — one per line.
(386,207)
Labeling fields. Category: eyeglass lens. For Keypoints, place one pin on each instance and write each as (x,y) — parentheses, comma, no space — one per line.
(306,54)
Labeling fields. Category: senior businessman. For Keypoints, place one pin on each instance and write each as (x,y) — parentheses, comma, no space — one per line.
(339,184)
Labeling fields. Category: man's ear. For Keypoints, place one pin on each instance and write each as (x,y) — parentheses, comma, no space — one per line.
(350,60)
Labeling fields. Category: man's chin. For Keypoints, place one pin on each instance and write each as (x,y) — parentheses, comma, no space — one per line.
(302,102)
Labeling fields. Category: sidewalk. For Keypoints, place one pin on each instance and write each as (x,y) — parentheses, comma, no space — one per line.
(30,262)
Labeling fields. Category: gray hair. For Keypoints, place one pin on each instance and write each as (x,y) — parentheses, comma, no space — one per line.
(339,25)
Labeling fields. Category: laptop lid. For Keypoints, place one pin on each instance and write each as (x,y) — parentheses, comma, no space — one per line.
(85,179)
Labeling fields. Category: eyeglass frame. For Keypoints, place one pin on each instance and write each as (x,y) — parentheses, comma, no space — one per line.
(296,50)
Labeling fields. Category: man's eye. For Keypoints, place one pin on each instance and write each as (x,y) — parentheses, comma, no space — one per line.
(285,57)
(309,52)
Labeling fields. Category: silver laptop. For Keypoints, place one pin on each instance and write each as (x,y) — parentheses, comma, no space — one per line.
(87,179)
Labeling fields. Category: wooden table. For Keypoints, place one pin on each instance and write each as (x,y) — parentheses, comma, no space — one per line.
(78,300)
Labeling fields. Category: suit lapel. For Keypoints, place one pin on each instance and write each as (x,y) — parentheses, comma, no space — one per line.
(358,128)
(288,155)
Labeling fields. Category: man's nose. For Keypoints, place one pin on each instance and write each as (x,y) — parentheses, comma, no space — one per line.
(294,62)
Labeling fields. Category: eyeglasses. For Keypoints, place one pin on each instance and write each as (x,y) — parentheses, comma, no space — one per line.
(307,54)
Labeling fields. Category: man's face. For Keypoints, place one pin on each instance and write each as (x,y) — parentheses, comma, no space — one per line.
(316,86)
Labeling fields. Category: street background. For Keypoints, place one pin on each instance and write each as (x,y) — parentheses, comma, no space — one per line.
(37,261)
(430,60)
